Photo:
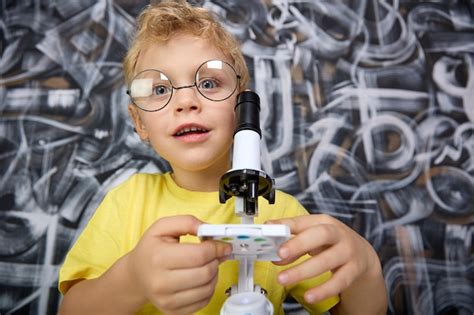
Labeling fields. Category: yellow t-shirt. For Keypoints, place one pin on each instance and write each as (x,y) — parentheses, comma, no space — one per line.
(129,209)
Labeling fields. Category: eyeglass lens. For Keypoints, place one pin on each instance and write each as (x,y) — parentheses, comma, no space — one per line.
(151,90)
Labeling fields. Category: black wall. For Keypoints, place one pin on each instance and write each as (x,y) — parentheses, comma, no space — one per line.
(367,114)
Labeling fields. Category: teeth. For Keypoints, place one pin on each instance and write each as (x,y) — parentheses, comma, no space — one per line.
(192,129)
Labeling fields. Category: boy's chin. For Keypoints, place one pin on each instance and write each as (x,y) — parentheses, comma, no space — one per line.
(195,164)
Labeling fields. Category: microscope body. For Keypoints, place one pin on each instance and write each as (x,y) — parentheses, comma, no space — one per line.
(246,182)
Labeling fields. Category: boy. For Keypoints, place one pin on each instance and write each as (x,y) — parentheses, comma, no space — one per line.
(139,252)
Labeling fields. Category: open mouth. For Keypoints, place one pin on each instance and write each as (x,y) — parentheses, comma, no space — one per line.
(190,131)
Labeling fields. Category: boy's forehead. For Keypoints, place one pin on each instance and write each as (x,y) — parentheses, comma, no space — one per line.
(182,52)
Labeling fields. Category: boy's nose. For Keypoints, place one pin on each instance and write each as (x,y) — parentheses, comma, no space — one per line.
(186,99)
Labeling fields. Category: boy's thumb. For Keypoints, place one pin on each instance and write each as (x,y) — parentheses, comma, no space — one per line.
(223,249)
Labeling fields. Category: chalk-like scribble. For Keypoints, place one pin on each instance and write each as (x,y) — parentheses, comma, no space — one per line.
(367,114)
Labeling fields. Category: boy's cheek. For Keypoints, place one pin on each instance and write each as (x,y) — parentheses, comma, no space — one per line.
(138,123)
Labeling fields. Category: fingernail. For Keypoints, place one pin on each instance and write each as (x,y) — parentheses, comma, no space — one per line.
(228,250)
(283,278)
(283,253)
(310,298)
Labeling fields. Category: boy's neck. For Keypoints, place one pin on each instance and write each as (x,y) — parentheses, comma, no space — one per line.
(205,181)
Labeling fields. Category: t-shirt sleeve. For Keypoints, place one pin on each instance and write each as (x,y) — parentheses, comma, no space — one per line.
(97,247)
(293,208)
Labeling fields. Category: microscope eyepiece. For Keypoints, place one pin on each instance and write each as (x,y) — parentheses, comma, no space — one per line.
(248,112)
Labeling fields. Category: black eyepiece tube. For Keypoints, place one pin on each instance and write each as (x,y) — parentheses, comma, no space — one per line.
(248,112)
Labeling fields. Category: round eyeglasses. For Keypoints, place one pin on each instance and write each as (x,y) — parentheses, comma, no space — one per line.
(151,90)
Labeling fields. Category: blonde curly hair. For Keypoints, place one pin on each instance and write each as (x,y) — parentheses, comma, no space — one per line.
(158,22)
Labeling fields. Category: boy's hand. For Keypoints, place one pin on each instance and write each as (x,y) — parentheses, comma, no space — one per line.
(334,246)
(178,278)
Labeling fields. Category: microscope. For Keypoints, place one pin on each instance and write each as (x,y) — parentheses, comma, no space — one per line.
(250,242)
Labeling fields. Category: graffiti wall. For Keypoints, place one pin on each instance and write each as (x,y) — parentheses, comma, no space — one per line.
(367,115)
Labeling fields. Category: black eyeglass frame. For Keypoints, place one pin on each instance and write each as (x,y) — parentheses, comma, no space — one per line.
(238,77)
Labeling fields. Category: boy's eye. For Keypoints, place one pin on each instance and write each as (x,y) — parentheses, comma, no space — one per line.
(160,90)
(207,84)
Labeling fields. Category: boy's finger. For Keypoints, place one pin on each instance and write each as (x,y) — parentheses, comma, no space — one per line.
(223,249)
(176,226)
(339,281)
(184,279)
(303,222)
(296,224)
(189,255)
(309,241)
(327,260)
(194,299)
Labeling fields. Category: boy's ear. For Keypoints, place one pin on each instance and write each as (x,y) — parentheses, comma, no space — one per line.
(137,121)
